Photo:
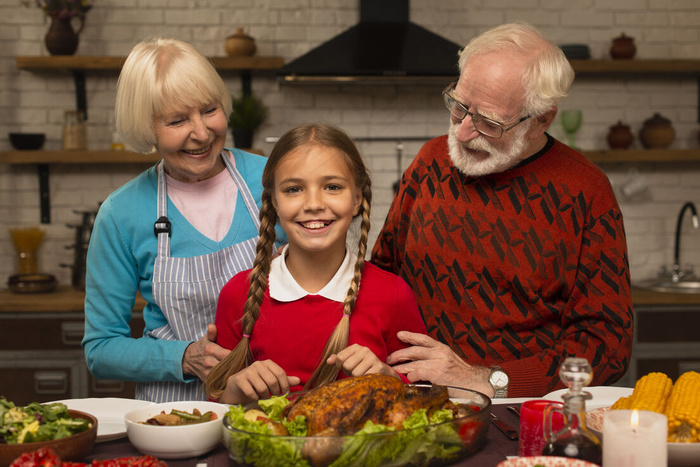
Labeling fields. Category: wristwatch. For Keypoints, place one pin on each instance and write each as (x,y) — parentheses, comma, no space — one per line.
(499,381)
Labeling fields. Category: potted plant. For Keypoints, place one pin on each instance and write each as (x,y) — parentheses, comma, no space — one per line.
(247,114)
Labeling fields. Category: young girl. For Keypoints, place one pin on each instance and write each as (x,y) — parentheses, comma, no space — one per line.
(317,308)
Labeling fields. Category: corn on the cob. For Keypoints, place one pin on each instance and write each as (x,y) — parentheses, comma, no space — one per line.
(622,403)
(683,409)
(651,392)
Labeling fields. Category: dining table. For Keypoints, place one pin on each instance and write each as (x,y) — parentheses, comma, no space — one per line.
(497,448)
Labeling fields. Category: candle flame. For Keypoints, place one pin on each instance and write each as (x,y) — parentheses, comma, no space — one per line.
(634,419)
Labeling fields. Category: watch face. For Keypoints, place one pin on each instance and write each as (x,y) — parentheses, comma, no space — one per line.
(499,379)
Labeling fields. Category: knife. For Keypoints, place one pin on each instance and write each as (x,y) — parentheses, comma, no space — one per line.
(507,430)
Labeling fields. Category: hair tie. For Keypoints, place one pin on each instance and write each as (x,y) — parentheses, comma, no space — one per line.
(246,335)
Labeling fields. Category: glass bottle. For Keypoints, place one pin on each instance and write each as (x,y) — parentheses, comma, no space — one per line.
(574,440)
(74,130)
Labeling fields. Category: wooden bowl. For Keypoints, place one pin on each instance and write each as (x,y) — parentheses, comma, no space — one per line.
(73,448)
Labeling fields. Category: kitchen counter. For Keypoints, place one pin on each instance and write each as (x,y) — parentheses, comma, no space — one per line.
(642,297)
(63,299)
(66,298)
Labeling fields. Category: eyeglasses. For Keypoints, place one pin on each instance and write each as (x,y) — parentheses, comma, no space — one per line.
(483,125)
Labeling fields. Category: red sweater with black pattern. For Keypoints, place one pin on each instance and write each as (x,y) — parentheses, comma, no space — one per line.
(519,269)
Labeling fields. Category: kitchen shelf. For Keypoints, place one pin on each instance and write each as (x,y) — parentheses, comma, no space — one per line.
(643,155)
(606,68)
(127,157)
(42,159)
(95,63)
(78,65)
(77,157)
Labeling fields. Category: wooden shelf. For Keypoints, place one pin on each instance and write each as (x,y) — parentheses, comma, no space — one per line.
(581,67)
(636,67)
(643,155)
(77,157)
(96,63)
(128,157)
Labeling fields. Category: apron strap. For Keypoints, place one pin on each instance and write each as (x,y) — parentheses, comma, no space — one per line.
(162,225)
(244,191)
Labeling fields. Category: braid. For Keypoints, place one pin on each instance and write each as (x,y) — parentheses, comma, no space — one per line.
(240,357)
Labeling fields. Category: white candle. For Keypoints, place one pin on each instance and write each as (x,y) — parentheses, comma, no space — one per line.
(634,438)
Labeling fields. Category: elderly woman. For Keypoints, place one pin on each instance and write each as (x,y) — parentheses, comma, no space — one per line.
(176,233)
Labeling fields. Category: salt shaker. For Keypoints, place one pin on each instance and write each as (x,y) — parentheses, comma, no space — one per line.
(574,440)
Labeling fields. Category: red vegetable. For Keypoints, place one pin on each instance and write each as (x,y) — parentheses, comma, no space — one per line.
(43,457)
(46,457)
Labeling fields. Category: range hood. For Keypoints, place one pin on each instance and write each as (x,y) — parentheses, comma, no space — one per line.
(383,48)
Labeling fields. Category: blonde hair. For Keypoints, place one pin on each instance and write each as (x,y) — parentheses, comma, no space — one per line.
(307,135)
(160,73)
(548,75)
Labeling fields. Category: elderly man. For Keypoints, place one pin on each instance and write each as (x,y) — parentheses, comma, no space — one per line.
(513,242)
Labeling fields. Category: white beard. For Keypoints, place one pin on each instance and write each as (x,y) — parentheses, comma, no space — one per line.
(494,161)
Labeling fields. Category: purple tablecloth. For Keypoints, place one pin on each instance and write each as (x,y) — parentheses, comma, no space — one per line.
(497,447)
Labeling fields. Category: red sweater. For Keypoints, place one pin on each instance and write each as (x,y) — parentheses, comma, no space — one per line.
(294,334)
(519,269)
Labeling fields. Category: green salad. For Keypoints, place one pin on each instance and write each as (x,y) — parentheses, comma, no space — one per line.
(423,441)
(37,422)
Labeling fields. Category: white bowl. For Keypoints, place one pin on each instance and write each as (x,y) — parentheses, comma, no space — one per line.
(175,442)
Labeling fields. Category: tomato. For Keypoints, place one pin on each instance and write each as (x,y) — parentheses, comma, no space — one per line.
(46,457)
(469,432)
(43,457)
(142,461)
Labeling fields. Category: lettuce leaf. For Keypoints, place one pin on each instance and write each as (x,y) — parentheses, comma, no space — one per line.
(273,406)
(417,444)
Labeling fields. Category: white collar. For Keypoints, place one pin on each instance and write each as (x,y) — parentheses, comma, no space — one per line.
(284,288)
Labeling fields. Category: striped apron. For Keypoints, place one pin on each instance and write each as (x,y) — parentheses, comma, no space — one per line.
(186,289)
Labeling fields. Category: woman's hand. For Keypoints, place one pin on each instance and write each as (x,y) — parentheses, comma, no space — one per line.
(260,380)
(358,360)
(203,355)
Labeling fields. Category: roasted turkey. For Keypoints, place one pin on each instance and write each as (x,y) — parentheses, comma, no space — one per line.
(342,407)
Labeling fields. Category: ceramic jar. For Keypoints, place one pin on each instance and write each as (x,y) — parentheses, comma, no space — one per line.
(657,132)
(61,38)
(240,44)
(623,47)
(620,136)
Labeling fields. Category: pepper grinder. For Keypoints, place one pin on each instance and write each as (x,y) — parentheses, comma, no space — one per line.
(574,440)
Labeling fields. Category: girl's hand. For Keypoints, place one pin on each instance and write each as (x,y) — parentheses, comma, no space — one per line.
(258,381)
(358,360)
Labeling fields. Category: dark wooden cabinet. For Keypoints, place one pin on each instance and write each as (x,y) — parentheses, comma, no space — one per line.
(666,340)
(41,359)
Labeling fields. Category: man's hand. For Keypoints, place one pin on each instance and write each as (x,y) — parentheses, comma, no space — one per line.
(358,360)
(257,381)
(430,360)
(201,356)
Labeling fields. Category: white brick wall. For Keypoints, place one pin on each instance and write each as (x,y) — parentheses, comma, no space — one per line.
(32,101)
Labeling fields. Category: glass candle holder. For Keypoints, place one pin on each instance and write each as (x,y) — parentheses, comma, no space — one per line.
(635,438)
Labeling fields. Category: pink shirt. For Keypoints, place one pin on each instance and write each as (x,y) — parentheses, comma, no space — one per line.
(208,205)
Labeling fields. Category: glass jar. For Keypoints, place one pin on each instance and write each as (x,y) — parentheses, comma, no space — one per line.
(74,130)
(574,439)
(116,144)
